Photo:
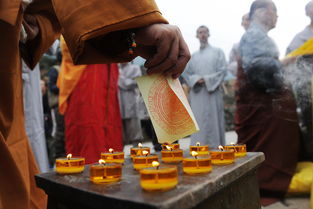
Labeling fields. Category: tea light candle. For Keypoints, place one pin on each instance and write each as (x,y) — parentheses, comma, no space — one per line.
(159,178)
(105,173)
(200,149)
(239,149)
(137,151)
(173,146)
(69,165)
(113,157)
(197,165)
(222,157)
(144,161)
(172,156)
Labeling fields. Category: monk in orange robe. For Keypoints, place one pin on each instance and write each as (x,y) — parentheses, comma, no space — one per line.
(94,33)
(88,100)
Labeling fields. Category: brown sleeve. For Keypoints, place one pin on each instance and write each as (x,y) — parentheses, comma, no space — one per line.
(93,29)
(49,30)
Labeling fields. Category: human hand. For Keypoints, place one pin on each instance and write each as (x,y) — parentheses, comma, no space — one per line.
(164,48)
(288,60)
(201,81)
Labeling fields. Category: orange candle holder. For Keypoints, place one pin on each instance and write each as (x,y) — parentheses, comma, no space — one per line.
(113,157)
(138,151)
(161,178)
(222,157)
(172,156)
(239,149)
(200,149)
(197,164)
(172,146)
(69,165)
(144,161)
(105,172)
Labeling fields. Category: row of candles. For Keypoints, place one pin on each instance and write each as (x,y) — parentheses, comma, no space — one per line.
(152,175)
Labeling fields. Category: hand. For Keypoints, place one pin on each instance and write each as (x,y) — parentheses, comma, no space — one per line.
(164,49)
(201,81)
(288,60)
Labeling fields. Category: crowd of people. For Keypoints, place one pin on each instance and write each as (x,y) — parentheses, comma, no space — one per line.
(78,94)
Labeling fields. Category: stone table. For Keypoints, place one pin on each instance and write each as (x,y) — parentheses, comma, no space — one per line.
(226,187)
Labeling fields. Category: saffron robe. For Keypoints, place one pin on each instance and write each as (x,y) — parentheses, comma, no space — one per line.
(80,21)
(206,100)
(266,121)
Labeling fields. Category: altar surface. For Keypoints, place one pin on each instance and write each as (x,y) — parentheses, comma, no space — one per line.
(226,187)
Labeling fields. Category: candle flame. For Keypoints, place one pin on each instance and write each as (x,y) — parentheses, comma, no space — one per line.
(111,150)
(168,147)
(221,148)
(69,156)
(101,161)
(155,163)
(198,143)
(145,152)
(194,154)
(139,145)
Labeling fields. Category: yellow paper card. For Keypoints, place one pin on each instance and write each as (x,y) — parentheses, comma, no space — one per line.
(304,49)
(168,107)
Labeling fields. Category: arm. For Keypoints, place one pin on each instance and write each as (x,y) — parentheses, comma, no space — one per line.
(190,76)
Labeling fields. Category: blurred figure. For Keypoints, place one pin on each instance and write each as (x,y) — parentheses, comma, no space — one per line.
(34,117)
(204,75)
(266,118)
(234,53)
(88,98)
(129,103)
(300,74)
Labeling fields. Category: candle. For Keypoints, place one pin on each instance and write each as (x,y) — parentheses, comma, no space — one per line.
(222,157)
(239,149)
(173,146)
(172,156)
(113,157)
(159,178)
(137,151)
(69,165)
(197,164)
(144,161)
(200,149)
(105,173)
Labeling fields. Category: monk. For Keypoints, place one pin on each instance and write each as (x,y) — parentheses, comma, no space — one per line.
(95,33)
(266,118)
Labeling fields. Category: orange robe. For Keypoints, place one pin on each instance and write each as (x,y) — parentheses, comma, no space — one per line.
(88,100)
(82,23)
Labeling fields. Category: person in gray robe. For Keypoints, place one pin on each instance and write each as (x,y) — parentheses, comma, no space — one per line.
(204,75)
(299,73)
(34,119)
(129,103)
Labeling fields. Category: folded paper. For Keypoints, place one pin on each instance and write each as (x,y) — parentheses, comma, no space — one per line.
(168,107)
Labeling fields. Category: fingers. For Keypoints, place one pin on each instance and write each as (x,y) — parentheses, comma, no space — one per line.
(169,61)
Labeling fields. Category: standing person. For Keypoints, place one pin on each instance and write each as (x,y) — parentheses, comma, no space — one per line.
(266,118)
(300,73)
(34,115)
(88,99)
(84,31)
(204,75)
(129,103)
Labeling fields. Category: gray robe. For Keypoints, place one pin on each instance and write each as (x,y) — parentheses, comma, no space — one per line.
(34,115)
(299,39)
(207,100)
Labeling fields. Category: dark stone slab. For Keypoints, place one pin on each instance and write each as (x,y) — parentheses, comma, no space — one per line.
(232,186)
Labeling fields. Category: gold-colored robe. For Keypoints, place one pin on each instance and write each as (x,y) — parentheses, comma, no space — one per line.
(81,23)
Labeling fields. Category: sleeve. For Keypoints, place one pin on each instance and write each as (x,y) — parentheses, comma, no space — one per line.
(127,77)
(190,76)
(49,30)
(93,29)
(52,83)
(214,80)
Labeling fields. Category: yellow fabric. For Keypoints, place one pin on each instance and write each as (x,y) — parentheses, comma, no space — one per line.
(306,48)
(301,182)
(69,76)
